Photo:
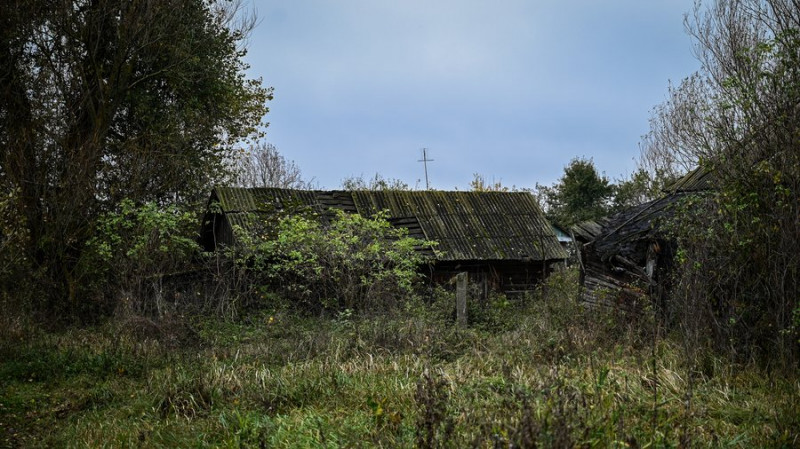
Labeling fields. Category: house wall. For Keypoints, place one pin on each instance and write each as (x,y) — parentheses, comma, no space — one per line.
(501,276)
(217,231)
(627,284)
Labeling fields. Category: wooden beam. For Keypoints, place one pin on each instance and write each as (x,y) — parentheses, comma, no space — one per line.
(461,298)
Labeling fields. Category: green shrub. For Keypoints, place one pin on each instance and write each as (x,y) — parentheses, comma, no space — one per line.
(133,250)
(357,263)
(16,268)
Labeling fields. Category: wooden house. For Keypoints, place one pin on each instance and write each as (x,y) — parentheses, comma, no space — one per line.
(629,255)
(501,239)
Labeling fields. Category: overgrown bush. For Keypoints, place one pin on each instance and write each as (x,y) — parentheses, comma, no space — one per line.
(554,377)
(134,249)
(737,282)
(738,119)
(358,263)
(15,268)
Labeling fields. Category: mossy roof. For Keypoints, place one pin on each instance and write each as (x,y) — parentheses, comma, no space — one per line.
(700,179)
(467,226)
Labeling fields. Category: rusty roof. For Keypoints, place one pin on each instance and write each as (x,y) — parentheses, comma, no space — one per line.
(465,225)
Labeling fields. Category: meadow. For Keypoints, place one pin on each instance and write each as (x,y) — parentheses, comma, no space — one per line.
(538,371)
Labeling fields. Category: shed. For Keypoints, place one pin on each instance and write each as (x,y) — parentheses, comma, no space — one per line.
(501,238)
(629,255)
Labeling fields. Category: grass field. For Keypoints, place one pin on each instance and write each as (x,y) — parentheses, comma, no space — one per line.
(540,372)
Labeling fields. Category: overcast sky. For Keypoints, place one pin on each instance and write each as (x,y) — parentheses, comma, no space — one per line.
(510,89)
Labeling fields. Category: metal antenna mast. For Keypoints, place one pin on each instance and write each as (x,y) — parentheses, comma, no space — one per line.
(425,160)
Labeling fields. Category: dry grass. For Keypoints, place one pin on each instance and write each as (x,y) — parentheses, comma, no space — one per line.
(546,374)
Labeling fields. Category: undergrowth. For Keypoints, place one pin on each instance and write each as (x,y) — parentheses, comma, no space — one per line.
(535,372)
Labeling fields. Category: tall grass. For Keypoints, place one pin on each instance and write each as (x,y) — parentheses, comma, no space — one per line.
(542,371)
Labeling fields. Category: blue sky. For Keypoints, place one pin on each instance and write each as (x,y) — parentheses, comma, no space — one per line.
(509,89)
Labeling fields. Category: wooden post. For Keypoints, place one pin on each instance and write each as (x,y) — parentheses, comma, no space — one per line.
(461,298)
(484,290)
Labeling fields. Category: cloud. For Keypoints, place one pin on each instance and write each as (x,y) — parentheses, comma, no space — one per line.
(519,80)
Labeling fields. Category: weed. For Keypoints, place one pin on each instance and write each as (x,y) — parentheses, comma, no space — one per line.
(550,374)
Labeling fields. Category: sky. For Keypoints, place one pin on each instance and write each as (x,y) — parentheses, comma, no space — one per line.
(512,90)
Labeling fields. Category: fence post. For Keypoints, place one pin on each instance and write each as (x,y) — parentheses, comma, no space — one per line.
(461,298)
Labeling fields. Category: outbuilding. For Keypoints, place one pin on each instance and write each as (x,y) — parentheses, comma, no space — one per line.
(629,256)
(502,239)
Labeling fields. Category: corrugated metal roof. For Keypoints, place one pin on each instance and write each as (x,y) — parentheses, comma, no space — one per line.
(466,225)
(251,208)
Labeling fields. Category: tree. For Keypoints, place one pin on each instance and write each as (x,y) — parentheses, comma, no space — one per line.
(639,188)
(102,100)
(263,166)
(738,117)
(581,194)
(479,184)
(378,182)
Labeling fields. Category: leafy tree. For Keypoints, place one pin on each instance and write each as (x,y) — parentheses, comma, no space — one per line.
(106,100)
(640,188)
(581,194)
(738,117)
(264,166)
(479,184)
(14,240)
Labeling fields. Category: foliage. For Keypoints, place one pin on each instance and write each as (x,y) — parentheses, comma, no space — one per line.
(581,194)
(262,165)
(738,118)
(133,250)
(354,263)
(555,376)
(378,182)
(108,100)
(640,188)
(13,237)
(16,269)
(479,184)
(736,283)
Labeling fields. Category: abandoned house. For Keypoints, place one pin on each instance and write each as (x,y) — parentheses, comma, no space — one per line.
(628,256)
(501,239)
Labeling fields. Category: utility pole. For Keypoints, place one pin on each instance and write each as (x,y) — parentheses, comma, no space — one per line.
(425,160)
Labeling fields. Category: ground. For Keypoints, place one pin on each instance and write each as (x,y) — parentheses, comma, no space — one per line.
(539,371)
